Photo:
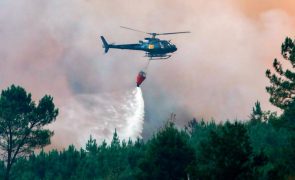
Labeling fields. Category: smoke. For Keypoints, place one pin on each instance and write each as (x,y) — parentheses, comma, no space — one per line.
(99,115)
(53,47)
(254,9)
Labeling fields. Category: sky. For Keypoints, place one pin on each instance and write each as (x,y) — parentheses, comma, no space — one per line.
(53,47)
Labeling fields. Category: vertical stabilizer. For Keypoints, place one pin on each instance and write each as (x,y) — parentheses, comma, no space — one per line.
(105,44)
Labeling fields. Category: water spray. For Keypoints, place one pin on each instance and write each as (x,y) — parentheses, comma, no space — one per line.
(99,115)
(135,120)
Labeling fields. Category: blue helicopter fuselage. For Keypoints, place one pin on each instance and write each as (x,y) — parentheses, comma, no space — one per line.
(153,46)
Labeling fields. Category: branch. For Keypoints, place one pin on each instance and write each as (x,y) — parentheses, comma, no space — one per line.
(290,75)
(278,67)
(22,142)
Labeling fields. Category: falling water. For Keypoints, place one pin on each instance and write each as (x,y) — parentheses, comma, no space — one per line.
(136,116)
(99,115)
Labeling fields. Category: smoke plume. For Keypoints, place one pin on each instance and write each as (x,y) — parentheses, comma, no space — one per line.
(53,47)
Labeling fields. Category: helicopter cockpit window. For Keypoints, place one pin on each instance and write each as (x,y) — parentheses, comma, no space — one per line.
(171,44)
(165,44)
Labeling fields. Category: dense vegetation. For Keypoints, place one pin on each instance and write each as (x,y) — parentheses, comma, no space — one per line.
(261,148)
(252,150)
(21,124)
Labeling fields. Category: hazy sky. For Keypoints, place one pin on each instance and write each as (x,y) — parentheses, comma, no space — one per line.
(53,47)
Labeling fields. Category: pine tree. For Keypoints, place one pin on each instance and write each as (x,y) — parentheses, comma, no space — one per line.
(22,122)
(114,154)
(257,116)
(168,156)
(282,88)
(226,153)
(91,146)
(115,141)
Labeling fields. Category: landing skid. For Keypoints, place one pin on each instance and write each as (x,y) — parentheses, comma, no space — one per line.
(160,58)
(157,57)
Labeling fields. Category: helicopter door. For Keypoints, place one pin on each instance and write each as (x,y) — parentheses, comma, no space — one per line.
(161,45)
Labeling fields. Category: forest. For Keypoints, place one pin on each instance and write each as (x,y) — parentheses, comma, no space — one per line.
(263,147)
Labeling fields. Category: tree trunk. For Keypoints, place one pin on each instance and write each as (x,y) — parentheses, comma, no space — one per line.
(7,173)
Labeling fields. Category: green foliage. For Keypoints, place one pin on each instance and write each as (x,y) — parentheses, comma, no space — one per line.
(199,131)
(273,143)
(91,146)
(21,122)
(97,162)
(287,118)
(257,114)
(282,92)
(204,151)
(282,89)
(169,156)
(226,153)
(115,141)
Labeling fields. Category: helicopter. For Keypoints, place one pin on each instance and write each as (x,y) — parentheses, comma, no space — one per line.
(154,48)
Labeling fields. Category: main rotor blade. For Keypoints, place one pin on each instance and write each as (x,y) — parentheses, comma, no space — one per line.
(133,29)
(174,33)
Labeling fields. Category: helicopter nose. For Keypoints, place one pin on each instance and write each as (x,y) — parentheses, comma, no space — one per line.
(175,48)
